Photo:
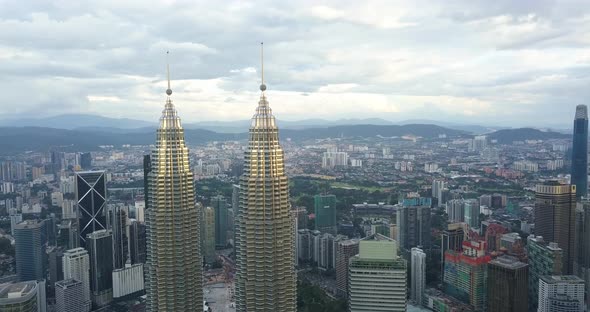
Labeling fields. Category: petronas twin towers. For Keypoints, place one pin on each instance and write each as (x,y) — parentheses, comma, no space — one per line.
(265,279)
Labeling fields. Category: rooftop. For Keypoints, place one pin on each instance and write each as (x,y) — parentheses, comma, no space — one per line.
(16,290)
(508,262)
(568,279)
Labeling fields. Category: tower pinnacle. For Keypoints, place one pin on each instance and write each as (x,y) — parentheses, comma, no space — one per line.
(168,91)
(262,85)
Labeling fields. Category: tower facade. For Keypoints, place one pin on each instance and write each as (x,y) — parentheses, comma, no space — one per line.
(91,194)
(76,265)
(220,205)
(265,278)
(100,247)
(555,218)
(30,243)
(174,277)
(544,259)
(580,152)
(507,285)
(418,275)
(325,213)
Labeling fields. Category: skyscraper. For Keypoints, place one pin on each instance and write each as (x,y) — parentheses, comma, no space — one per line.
(118,226)
(580,152)
(325,213)
(76,265)
(452,239)
(418,275)
(137,242)
(30,243)
(91,194)
(86,161)
(555,216)
(344,251)
(377,277)
(544,259)
(208,234)
(413,223)
(220,206)
(582,260)
(265,277)
(472,213)
(507,285)
(69,296)
(100,247)
(559,293)
(172,222)
(23,297)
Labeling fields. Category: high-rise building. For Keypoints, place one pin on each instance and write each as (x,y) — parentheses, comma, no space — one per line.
(56,272)
(413,223)
(325,213)
(220,206)
(455,209)
(30,243)
(15,218)
(265,279)
(580,152)
(100,247)
(472,213)
(137,242)
(128,281)
(76,265)
(345,250)
(507,285)
(418,275)
(172,221)
(118,226)
(91,197)
(208,234)
(377,277)
(582,260)
(326,252)
(304,245)
(68,234)
(69,296)
(555,218)
(544,259)
(559,293)
(452,239)
(437,190)
(465,274)
(86,161)
(26,296)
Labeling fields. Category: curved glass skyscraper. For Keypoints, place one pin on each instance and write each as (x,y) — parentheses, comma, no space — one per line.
(174,277)
(265,278)
(580,152)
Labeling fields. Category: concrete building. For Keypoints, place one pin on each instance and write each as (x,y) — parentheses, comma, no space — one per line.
(76,265)
(544,259)
(128,281)
(507,285)
(69,296)
(220,206)
(582,259)
(452,239)
(413,223)
(558,293)
(555,218)
(418,276)
(344,251)
(456,210)
(208,234)
(471,211)
(137,242)
(437,190)
(23,297)
(325,213)
(30,240)
(377,277)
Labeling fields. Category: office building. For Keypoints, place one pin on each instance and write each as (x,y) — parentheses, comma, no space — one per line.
(437,190)
(67,236)
(69,296)
(413,223)
(208,234)
(325,213)
(466,273)
(555,214)
(559,293)
(30,243)
(377,277)
(544,259)
(471,211)
(455,209)
(100,248)
(173,227)
(56,272)
(86,161)
(345,250)
(452,239)
(220,206)
(265,279)
(418,275)
(26,296)
(137,242)
(507,285)
(582,260)
(580,152)
(118,216)
(15,218)
(76,265)
(91,203)
(128,281)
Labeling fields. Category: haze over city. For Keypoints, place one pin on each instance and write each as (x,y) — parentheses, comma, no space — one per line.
(501,63)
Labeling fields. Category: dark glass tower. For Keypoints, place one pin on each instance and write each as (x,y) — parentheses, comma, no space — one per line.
(30,243)
(100,248)
(91,194)
(580,152)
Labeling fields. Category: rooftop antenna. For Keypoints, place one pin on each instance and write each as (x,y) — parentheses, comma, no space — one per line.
(169,90)
(262,86)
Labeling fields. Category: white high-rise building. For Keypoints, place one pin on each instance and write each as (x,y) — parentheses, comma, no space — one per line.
(418,275)
(437,190)
(456,210)
(76,265)
(561,293)
(377,277)
(334,159)
(67,209)
(69,296)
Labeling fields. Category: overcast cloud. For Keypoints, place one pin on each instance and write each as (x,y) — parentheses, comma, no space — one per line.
(502,62)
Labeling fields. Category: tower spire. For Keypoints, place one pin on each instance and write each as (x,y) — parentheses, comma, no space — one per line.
(169,90)
(262,85)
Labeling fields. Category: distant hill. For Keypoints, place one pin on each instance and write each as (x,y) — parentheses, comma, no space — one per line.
(507,136)
(19,139)
(73,121)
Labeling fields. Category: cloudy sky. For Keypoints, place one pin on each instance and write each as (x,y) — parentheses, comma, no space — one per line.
(501,62)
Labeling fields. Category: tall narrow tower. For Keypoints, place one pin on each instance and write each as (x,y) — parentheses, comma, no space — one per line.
(580,152)
(174,278)
(266,279)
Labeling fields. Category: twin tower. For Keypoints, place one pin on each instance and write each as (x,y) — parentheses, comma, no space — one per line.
(265,277)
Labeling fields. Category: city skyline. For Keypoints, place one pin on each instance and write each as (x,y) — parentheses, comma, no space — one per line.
(499,61)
